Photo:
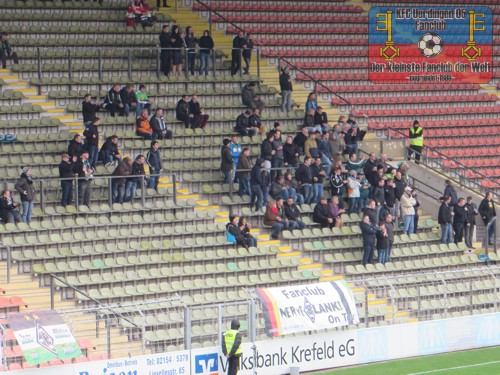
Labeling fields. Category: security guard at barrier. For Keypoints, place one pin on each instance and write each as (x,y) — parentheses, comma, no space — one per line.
(416,141)
(231,347)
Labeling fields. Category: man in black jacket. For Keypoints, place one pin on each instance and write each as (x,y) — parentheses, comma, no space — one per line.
(75,148)
(242,126)
(109,152)
(113,101)
(129,101)
(304,177)
(26,190)
(286,88)
(166,52)
(471,219)
(226,163)
(370,169)
(91,134)
(137,178)
(321,214)
(89,109)
(6,51)
(182,111)
(450,191)
(250,98)
(337,185)
(368,233)
(291,153)
(445,219)
(390,195)
(66,173)
(318,175)
(236,53)
(197,116)
(292,213)
(85,173)
(459,220)
(277,160)
(255,122)
(266,148)
(155,165)
(157,123)
(487,211)
(399,189)
(301,138)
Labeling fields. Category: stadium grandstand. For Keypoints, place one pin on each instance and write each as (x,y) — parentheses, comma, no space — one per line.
(124,178)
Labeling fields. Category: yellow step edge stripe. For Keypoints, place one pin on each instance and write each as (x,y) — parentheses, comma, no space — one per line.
(202,202)
(270,242)
(310,266)
(206,208)
(331,278)
(293,254)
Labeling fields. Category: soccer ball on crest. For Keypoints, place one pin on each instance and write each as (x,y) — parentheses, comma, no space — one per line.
(430,45)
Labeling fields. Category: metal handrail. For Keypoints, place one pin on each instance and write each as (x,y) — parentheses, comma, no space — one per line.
(210,10)
(316,82)
(425,152)
(68,53)
(41,182)
(492,222)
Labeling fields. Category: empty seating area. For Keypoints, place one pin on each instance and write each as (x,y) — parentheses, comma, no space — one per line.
(335,57)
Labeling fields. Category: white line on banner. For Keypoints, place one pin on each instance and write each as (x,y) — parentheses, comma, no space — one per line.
(454,368)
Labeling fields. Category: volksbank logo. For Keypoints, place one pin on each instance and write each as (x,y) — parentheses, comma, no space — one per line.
(432,338)
(488,330)
(373,345)
(206,364)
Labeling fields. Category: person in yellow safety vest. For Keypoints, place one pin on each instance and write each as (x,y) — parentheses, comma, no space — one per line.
(231,347)
(416,141)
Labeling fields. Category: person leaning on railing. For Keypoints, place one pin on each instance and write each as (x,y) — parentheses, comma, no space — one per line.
(487,211)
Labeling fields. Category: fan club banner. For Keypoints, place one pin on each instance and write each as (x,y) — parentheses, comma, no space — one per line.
(43,336)
(430,45)
(307,307)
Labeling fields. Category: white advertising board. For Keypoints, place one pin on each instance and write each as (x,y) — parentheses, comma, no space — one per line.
(309,353)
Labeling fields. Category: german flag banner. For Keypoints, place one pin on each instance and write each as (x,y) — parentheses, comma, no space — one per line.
(430,45)
(309,307)
(42,336)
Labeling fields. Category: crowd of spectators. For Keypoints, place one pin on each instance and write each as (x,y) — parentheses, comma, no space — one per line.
(302,168)
(80,163)
(179,49)
(457,217)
